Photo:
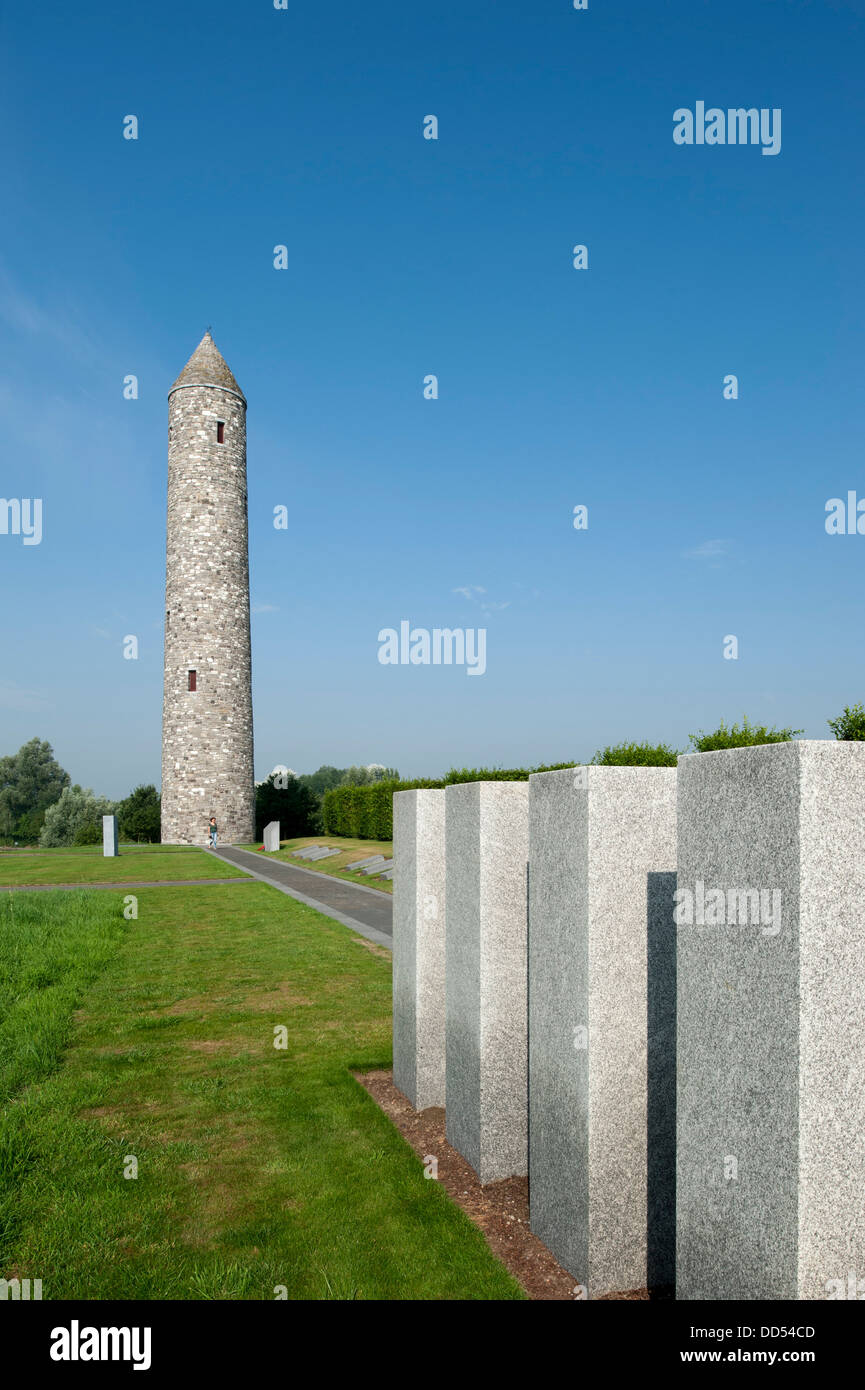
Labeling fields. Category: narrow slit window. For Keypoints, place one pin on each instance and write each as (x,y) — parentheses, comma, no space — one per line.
(220,431)
(192,683)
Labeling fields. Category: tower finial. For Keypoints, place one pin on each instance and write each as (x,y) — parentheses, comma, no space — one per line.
(207,367)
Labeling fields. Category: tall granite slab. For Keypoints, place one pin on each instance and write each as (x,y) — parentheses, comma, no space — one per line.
(487,854)
(271,836)
(109,837)
(602,854)
(419,946)
(771,1001)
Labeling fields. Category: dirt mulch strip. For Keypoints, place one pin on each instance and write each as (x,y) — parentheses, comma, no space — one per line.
(501,1209)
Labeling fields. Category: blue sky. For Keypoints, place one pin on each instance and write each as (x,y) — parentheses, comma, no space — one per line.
(408,256)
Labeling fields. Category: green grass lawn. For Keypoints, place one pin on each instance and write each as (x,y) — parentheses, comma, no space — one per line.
(352,850)
(126,847)
(257,1167)
(51,948)
(136,865)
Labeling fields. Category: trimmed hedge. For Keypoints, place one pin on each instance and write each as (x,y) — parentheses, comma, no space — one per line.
(366,812)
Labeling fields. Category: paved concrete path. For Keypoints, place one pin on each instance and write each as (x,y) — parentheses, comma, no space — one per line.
(135,883)
(366,910)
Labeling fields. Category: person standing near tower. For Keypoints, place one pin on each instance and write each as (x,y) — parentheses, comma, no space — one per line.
(207,753)
(213,832)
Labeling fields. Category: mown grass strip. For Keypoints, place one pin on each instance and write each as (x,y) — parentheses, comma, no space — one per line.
(62,866)
(260,1168)
(52,946)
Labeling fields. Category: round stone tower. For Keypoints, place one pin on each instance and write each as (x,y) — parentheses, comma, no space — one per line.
(207,767)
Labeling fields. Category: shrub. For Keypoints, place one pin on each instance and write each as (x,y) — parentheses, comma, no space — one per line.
(76,807)
(850,724)
(496,774)
(736,737)
(636,755)
(88,832)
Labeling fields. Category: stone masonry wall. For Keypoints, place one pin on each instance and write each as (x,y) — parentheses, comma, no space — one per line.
(207,762)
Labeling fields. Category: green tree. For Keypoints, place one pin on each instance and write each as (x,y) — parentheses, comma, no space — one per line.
(355,777)
(294,805)
(28,827)
(739,737)
(321,781)
(636,755)
(75,808)
(31,780)
(379,773)
(850,724)
(138,817)
(365,776)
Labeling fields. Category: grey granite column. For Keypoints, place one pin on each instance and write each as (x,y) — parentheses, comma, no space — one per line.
(487,852)
(602,851)
(419,946)
(771,1045)
(109,836)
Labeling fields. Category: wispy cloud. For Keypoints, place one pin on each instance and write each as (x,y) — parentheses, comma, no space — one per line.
(14,696)
(264,608)
(475,594)
(708,550)
(469,591)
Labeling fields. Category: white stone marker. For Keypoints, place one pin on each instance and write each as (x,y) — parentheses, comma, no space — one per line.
(771,1002)
(602,850)
(271,836)
(419,946)
(109,837)
(487,853)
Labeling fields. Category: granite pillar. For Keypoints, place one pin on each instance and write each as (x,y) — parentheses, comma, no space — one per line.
(487,852)
(419,946)
(771,1001)
(109,837)
(602,852)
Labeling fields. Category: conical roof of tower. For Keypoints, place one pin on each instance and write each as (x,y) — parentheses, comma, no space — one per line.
(207,367)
